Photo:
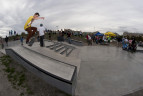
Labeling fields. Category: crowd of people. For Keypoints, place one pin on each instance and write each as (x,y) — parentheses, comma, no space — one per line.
(92,38)
(129,44)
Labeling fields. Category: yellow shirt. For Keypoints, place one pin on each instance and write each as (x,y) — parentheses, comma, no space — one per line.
(27,22)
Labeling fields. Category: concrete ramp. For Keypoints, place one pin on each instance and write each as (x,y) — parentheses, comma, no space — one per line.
(59,74)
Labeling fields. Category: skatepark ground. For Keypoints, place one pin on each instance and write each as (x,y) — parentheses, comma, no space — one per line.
(103,71)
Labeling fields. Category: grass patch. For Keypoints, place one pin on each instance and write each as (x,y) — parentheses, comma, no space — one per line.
(17,78)
(21,94)
(29,91)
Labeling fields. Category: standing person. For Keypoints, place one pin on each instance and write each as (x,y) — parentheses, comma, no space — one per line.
(109,38)
(126,43)
(21,39)
(93,37)
(63,33)
(89,40)
(118,40)
(6,40)
(1,41)
(134,45)
(50,33)
(41,31)
(80,34)
(9,33)
(69,37)
(123,42)
(27,27)
(104,38)
(97,39)
(14,32)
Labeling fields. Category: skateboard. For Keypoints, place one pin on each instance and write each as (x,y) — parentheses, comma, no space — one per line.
(31,41)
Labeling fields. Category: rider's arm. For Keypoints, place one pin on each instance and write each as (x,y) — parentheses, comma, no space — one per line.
(39,18)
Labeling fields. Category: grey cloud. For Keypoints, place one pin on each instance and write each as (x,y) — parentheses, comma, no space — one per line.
(104,15)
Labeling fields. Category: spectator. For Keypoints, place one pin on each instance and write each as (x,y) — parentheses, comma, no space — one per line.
(50,33)
(14,32)
(118,41)
(63,33)
(97,39)
(125,43)
(21,39)
(93,37)
(1,41)
(6,40)
(41,30)
(69,37)
(80,34)
(109,38)
(89,40)
(9,33)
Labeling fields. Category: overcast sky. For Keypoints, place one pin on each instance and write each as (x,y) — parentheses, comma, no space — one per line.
(86,15)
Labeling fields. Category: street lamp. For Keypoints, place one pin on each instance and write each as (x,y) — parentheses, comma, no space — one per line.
(57,27)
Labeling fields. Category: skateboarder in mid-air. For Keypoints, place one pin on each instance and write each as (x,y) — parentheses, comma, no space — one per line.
(27,27)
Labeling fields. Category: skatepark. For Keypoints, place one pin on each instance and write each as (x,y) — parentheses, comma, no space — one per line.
(82,70)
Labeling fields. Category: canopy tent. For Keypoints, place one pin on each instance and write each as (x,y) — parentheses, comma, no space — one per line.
(99,34)
(110,34)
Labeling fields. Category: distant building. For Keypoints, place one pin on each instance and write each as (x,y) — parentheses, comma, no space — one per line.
(132,34)
(72,31)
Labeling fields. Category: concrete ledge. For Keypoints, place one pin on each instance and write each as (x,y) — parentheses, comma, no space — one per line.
(61,83)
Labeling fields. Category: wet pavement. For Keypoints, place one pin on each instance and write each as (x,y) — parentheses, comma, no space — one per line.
(109,71)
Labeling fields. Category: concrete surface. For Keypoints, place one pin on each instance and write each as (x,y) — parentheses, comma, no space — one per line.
(109,71)
(73,59)
(10,44)
(56,68)
(103,70)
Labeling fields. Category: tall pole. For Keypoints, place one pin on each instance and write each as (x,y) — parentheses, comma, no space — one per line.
(57,27)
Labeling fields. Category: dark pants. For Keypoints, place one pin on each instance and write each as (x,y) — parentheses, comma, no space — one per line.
(6,43)
(89,42)
(42,41)
(31,31)
(69,40)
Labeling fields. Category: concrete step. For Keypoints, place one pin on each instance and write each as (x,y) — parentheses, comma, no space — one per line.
(50,46)
(69,51)
(56,46)
(64,51)
(56,43)
(59,49)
